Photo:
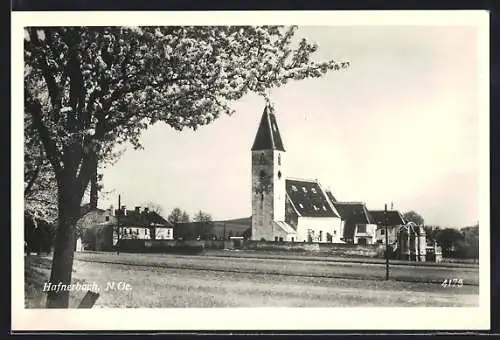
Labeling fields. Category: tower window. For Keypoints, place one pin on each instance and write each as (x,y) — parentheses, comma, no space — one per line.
(107,218)
(261,160)
(262,174)
(279,174)
(279,159)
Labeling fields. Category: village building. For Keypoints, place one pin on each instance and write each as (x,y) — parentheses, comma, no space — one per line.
(214,230)
(301,210)
(358,225)
(99,227)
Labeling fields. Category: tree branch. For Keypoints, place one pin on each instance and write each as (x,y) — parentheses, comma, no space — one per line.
(49,145)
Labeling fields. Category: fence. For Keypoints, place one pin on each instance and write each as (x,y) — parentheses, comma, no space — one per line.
(198,246)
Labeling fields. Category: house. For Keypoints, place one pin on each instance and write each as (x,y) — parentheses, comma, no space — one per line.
(142,224)
(394,221)
(358,225)
(98,227)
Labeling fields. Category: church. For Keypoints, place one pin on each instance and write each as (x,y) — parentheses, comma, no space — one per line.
(300,210)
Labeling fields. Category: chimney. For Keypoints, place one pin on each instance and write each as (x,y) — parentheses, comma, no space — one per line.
(137,209)
(124,210)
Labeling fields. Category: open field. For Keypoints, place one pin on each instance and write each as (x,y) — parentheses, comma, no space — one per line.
(322,256)
(296,267)
(205,281)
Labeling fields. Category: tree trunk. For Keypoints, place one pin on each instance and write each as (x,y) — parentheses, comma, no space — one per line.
(94,189)
(62,262)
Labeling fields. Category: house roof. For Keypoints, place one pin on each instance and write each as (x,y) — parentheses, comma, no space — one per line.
(394,217)
(268,135)
(353,212)
(309,199)
(142,218)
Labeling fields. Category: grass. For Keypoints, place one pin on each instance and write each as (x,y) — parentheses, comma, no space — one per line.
(36,273)
(199,281)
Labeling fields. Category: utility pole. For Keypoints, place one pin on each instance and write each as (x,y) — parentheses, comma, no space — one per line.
(118,212)
(386,244)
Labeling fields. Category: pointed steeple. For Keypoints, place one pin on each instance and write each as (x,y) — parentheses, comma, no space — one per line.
(268,135)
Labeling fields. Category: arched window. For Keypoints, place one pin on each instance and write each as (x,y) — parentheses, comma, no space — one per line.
(261,160)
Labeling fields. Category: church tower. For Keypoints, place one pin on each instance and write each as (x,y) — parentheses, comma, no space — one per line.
(268,180)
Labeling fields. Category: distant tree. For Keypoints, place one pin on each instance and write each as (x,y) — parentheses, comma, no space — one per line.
(175,216)
(449,238)
(202,216)
(471,241)
(412,216)
(431,233)
(185,217)
(154,207)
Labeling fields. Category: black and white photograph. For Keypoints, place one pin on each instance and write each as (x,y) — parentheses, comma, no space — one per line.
(309,170)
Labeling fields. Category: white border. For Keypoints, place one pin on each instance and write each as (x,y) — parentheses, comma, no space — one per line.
(248,318)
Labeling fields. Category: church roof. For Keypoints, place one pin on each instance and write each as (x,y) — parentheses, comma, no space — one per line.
(309,199)
(268,135)
(330,196)
(353,212)
(394,217)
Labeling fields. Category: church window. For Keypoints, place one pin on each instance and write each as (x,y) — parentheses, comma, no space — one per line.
(294,188)
(262,174)
(279,159)
(107,218)
(279,174)
(304,190)
(261,160)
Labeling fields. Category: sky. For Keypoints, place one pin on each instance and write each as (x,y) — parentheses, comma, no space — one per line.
(399,125)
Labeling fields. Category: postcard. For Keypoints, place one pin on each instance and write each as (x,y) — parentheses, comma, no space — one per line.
(259,170)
